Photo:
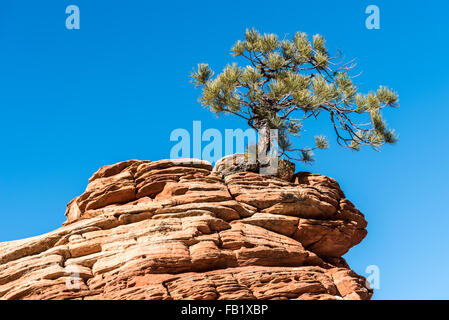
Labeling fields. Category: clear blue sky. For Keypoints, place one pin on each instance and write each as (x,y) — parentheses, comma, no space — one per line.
(74,100)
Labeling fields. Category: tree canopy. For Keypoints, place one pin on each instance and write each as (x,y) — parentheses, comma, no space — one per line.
(288,81)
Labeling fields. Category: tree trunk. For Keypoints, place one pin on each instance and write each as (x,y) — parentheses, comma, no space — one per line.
(264,142)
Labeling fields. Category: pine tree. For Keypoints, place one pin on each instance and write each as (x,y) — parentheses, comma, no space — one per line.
(288,81)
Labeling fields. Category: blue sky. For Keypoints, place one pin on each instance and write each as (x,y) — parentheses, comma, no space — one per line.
(75,100)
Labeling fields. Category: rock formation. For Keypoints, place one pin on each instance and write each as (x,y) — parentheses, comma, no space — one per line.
(177,229)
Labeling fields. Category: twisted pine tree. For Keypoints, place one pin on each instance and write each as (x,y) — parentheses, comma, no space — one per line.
(289,81)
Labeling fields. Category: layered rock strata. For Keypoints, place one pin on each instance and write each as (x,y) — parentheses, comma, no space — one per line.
(177,229)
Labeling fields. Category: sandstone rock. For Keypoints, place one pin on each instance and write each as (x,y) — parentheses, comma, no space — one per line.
(176,229)
(234,163)
(242,162)
(286,170)
(328,238)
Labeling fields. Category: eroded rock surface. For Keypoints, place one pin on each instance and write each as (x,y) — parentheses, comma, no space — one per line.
(176,229)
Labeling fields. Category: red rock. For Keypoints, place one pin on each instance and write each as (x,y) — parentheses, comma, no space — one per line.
(176,229)
(328,238)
